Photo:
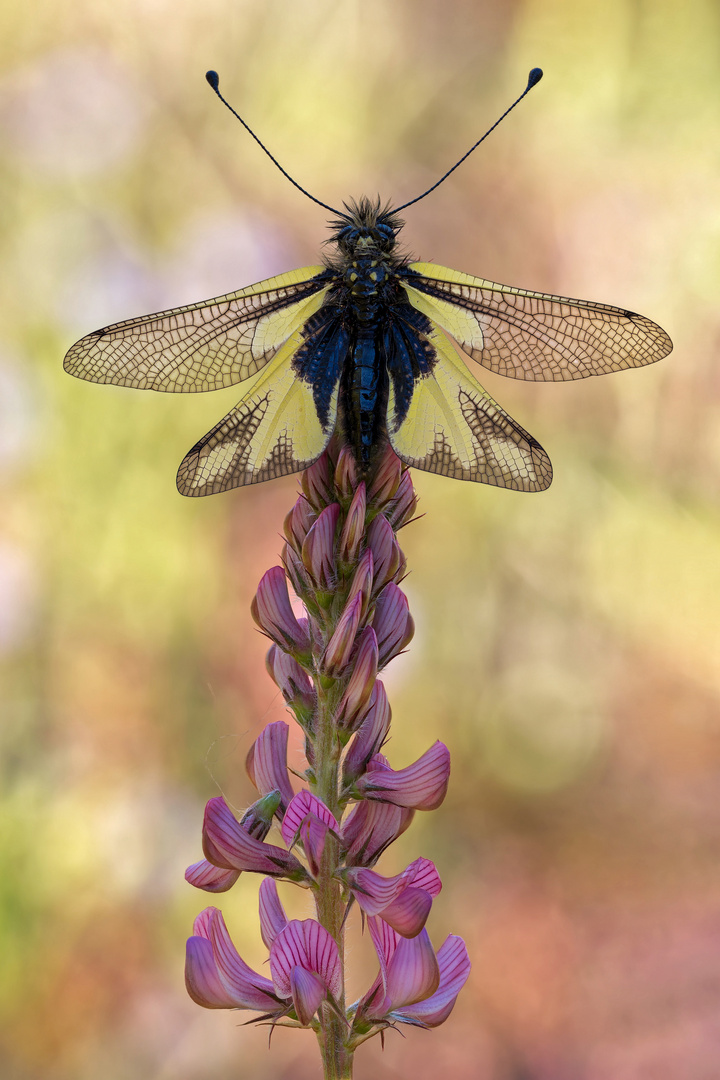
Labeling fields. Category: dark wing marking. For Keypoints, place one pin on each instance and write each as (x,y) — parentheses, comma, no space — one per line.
(534,336)
(452,426)
(274,430)
(203,346)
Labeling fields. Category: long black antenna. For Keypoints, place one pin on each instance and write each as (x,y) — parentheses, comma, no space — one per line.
(214,79)
(533,79)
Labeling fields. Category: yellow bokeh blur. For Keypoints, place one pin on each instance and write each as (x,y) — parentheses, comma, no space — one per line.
(567,645)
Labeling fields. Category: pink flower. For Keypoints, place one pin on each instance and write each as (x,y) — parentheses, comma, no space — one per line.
(304,963)
(294,683)
(227,845)
(266,763)
(316,482)
(403,901)
(215,975)
(256,822)
(345,477)
(386,477)
(272,914)
(388,560)
(307,820)
(414,985)
(272,611)
(353,531)
(422,785)
(404,503)
(370,828)
(298,522)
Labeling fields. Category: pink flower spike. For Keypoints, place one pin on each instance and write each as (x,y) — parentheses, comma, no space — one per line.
(361,686)
(307,990)
(266,763)
(392,622)
(386,477)
(227,845)
(388,559)
(454,966)
(272,611)
(272,914)
(371,828)
(308,945)
(318,550)
(215,975)
(421,786)
(341,644)
(354,528)
(203,875)
(371,735)
(413,973)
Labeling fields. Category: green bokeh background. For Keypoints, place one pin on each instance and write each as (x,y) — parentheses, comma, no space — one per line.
(568,643)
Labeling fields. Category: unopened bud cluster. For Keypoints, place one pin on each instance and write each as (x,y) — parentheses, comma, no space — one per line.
(342,559)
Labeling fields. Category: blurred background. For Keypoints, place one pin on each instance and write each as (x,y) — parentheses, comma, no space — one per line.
(567,644)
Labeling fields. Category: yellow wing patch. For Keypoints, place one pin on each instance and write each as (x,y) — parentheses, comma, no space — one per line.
(454,427)
(272,431)
(204,346)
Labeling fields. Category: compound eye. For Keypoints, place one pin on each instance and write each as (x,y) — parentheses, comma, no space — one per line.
(385,235)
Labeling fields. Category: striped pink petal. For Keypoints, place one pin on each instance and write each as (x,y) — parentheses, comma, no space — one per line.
(408,912)
(272,611)
(308,990)
(266,762)
(318,549)
(215,975)
(454,965)
(305,944)
(422,874)
(203,875)
(302,805)
(372,732)
(413,973)
(421,786)
(392,622)
(227,845)
(272,914)
(399,900)
(370,828)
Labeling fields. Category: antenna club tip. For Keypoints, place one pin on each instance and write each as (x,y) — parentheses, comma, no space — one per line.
(213,78)
(534,77)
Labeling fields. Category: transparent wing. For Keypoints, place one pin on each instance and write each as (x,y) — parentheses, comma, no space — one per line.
(203,346)
(272,431)
(454,427)
(534,336)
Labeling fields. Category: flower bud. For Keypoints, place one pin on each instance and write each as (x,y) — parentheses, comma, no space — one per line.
(341,644)
(362,581)
(297,523)
(388,559)
(316,482)
(294,682)
(354,527)
(371,735)
(345,473)
(296,572)
(421,786)
(386,477)
(272,611)
(404,504)
(392,623)
(266,763)
(318,549)
(352,707)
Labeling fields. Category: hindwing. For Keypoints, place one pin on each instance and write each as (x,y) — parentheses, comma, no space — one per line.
(529,335)
(204,346)
(281,425)
(452,426)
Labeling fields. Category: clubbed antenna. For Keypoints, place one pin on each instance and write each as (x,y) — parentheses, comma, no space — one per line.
(533,78)
(214,79)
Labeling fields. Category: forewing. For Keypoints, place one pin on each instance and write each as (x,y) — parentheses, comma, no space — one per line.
(203,346)
(272,431)
(454,427)
(534,336)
